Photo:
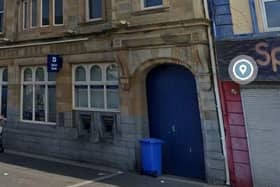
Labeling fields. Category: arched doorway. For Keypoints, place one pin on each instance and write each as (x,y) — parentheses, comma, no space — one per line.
(174,117)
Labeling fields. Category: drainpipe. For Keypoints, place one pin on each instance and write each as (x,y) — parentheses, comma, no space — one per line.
(217,94)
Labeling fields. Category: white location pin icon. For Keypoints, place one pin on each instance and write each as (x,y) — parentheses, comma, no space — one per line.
(243,69)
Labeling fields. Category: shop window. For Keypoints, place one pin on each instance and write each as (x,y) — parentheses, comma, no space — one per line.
(3,91)
(34,12)
(152,3)
(96,87)
(58,12)
(94,10)
(1,15)
(38,95)
(271,14)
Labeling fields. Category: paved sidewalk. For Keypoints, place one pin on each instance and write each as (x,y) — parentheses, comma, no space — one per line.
(26,171)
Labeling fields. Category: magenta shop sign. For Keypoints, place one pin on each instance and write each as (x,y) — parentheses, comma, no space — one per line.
(266,52)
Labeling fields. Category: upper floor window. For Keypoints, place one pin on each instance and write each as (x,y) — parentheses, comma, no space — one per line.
(96,87)
(25,14)
(45,13)
(34,12)
(29,13)
(271,14)
(152,3)
(58,12)
(94,9)
(1,15)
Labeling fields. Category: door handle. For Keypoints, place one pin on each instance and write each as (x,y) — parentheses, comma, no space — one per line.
(173,128)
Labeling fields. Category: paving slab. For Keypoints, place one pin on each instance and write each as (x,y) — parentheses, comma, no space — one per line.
(26,171)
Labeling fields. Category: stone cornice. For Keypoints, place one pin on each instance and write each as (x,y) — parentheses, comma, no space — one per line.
(165,25)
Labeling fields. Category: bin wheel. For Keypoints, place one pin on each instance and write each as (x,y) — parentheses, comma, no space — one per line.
(154,174)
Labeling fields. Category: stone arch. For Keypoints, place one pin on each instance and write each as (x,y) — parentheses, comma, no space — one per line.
(137,90)
(136,99)
(151,63)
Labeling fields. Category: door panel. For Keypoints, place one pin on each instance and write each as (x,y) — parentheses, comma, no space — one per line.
(174,117)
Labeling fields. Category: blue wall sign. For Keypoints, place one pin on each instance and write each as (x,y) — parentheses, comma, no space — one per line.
(54,63)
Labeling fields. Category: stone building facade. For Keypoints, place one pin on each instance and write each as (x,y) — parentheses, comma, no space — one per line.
(53,114)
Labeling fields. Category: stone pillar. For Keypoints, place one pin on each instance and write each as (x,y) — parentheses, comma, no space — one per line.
(64,96)
(13,108)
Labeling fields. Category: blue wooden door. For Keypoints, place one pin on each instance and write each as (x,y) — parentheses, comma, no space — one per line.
(174,117)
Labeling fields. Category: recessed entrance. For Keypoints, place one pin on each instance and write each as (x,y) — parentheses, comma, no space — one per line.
(174,117)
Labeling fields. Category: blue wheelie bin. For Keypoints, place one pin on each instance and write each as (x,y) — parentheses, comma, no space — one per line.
(151,156)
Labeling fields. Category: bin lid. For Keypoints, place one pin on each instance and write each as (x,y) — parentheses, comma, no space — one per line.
(151,140)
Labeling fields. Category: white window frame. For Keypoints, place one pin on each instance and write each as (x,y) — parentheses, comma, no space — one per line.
(2,83)
(31,14)
(25,19)
(3,16)
(87,12)
(41,14)
(264,15)
(33,83)
(89,83)
(151,7)
(54,13)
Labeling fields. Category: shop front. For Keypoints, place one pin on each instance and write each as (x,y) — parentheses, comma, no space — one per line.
(251,112)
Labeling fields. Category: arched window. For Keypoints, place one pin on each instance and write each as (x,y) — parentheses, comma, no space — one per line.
(95,73)
(80,74)
(38,96)
(27,74)
(101,91)
(112,73)
(5,75)
(40,74)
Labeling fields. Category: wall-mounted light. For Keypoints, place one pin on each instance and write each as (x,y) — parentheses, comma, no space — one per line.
(124,22)
(70,32)
(5,40)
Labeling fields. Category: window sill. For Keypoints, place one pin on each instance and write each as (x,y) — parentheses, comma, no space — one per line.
(151,11)
(97,110)
(275,29)
(38,122)
(93,22)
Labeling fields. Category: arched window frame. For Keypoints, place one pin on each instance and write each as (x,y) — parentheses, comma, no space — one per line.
(33,83)
(88,84)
